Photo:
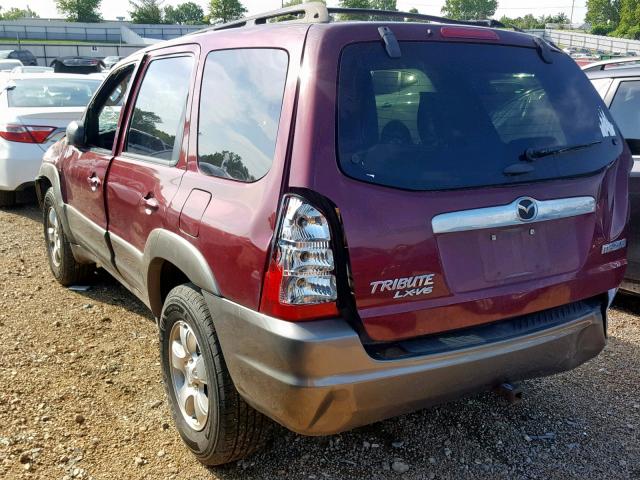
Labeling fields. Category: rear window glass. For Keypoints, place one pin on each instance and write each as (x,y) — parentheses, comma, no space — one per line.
(51,92)
(240,106)
(454,115)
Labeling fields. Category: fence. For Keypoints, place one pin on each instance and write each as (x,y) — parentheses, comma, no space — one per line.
(115,32)
(568,38)
(95,33)
(163,32)
(46,53)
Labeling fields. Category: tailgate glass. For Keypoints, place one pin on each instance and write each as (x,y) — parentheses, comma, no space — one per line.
(456,115)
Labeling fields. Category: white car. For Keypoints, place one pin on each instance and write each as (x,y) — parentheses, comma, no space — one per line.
(6,65)
(35,110)
(32,69)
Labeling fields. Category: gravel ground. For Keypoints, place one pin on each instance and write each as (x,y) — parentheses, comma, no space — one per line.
(81,397)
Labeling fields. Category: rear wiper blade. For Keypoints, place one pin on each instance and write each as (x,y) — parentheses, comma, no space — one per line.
(532,154)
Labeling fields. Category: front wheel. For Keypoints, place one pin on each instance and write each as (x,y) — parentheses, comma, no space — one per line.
(64,266)
(213,420)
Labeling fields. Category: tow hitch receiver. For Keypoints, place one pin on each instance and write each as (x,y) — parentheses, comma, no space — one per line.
(512,393)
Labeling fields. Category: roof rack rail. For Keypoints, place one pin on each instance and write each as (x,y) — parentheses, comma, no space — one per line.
(318,12)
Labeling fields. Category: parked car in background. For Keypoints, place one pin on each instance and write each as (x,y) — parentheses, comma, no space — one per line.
(619,86)
(25,56)
(623,62)
(31,69)
(110,61)
(35,110)
(81,65)
(339,222)
(8,65)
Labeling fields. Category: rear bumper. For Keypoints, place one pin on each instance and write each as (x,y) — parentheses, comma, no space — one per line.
(19,164)
(316,378)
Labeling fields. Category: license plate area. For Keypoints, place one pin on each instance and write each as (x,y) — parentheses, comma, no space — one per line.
(477,259)
(516,252)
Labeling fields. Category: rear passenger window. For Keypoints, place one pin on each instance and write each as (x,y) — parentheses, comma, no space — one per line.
(625,109)
(240,104)
(157,122)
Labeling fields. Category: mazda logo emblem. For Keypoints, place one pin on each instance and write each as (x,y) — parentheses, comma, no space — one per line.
(527,209)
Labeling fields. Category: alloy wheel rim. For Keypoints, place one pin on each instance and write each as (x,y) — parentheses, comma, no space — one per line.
(189,375)
(53,237)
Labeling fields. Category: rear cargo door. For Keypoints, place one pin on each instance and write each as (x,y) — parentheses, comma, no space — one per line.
(477,182)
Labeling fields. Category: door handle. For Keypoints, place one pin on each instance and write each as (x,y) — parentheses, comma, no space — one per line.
(94,182)
(150,204)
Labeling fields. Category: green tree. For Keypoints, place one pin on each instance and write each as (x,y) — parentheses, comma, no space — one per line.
(413,10)
(188,13)
(629,26)
(222,11)
(18,13)
(146,11)
(470,9)
(230,162)
(603,12)
(389,5)
(80,10)
(291,3)
(355,3)
(559,19)
(528,22)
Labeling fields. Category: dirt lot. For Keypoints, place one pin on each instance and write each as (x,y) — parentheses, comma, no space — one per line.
(81,397)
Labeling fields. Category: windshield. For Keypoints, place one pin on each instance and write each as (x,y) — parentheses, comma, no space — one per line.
(455,115)
(51,92)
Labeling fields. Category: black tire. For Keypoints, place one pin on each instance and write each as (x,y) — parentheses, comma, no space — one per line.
(7,199)
(233,430)
(64,266)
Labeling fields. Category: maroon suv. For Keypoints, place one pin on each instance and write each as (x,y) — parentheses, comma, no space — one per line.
(336,222)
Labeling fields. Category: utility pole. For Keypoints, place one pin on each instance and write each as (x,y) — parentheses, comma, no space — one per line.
(573,4)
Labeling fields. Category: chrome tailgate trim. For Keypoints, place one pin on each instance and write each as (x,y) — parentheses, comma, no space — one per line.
(508,215)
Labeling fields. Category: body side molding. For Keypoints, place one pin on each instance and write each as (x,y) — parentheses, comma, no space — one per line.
(165,246)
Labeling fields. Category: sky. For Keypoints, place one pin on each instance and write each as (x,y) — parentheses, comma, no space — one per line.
(512,8)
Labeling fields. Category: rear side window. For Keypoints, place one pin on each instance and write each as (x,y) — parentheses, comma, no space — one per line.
(455,115)
(157,122)
(240,105)
(625,109)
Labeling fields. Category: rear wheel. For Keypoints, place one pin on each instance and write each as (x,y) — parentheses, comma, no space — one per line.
(214,421)
(7,199)
(63,265)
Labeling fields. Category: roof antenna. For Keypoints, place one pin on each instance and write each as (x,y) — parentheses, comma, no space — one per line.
(390,42)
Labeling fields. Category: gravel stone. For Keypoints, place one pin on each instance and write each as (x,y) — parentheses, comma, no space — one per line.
(589,410)
(399,467)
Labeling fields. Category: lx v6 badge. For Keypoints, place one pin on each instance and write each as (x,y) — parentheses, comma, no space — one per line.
(406,286)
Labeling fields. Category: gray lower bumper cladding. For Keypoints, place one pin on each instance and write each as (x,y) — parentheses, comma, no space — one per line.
(316,378)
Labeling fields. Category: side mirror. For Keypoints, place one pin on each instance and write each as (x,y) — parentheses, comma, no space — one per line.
(76,134)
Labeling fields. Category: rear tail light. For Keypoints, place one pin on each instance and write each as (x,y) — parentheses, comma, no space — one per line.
(300,283)
(469,32)
(25,133)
